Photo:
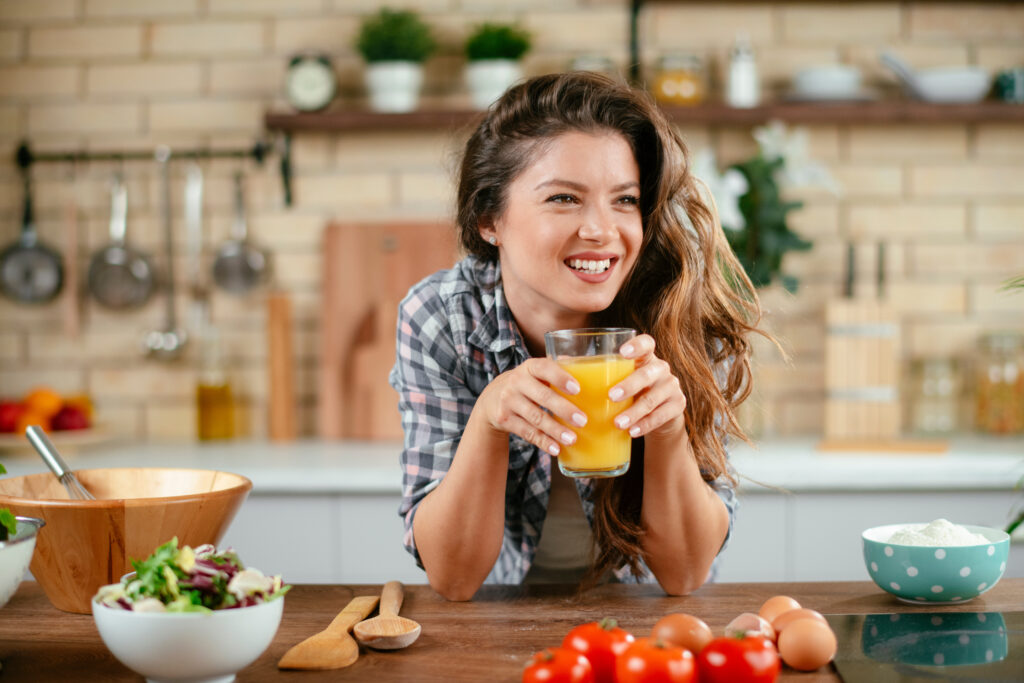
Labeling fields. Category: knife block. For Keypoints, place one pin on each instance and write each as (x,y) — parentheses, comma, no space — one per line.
(861,371)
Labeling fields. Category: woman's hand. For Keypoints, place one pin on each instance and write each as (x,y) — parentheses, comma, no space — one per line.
(658,400)
(523,402)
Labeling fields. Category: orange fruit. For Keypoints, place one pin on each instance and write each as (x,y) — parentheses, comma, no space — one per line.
(82,402)
(43,401)
(31,417)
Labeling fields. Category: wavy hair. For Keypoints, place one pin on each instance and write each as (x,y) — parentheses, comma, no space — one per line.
(687,289)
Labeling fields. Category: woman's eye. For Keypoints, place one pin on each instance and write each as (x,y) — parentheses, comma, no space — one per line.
(629,199)
(562,199)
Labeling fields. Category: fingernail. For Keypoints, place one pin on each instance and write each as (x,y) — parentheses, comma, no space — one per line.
(553,449)
(579,419)
(568,438)
(634,432)
(621,421)
(572,386)
(626,350)
(616,393)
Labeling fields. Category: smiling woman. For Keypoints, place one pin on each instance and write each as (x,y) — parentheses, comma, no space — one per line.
(576,208)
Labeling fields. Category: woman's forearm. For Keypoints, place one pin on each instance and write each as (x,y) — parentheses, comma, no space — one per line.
(684,520)
(459,525)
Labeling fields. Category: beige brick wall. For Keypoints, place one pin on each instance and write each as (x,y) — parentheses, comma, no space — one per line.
(947,199)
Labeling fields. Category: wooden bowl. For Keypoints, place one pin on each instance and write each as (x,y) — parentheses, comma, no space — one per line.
(89,543)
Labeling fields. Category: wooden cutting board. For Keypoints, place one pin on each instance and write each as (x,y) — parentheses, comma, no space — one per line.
(367,269)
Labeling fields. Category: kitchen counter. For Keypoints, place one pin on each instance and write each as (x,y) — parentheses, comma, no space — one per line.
(488,639)
(314,466)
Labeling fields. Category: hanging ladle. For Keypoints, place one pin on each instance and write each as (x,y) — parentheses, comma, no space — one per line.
(167,344)
(240,265)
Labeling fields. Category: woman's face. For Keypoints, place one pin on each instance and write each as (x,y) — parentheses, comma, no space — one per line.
(571,230)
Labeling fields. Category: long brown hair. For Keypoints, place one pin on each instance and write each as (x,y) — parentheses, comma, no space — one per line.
(687,290)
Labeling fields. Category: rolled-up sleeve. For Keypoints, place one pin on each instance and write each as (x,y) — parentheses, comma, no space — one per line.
(434,399)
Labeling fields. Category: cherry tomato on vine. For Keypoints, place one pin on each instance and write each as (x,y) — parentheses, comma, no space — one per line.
(558,665)
(648,660)
(750,659)
(600,642)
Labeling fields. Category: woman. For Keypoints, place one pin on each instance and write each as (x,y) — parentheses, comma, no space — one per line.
(575,209)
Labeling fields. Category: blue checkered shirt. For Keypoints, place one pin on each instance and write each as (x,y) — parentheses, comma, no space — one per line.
(456,333)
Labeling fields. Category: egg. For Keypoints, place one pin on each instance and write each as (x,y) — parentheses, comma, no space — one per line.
(682,630)
(748,622)
(807,644)
(775,606)
(782,621)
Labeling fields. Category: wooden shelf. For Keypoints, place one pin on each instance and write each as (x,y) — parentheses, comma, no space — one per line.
(882,112)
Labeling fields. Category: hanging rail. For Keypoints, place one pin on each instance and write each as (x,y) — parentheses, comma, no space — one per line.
(24,157)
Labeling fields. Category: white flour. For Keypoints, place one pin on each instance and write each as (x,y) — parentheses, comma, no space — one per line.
(939,532)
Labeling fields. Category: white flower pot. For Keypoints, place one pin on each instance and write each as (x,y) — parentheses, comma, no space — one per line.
(488,79)
(394,86)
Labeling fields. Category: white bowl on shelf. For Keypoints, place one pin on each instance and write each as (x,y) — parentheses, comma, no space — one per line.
(952,84)
(831,81)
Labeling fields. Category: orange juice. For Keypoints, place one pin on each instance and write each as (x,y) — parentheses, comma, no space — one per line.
(601,449)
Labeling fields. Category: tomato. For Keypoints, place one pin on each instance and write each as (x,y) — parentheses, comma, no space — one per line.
(648,660)
(600,642)
(10,413)
(750,659)
(558,665)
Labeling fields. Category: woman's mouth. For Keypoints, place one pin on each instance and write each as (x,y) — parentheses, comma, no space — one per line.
(588,266)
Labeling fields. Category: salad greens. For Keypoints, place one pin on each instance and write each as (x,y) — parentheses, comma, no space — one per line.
(184,579)
(8,524)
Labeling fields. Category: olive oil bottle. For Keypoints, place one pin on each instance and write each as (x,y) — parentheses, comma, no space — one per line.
(215,406)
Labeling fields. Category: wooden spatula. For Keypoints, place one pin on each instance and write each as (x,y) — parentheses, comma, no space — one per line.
(332,648)
(388,631)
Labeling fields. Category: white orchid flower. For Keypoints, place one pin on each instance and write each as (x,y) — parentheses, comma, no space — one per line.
(726,188)
(798,170)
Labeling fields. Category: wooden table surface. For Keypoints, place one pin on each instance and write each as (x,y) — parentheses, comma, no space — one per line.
(487,639)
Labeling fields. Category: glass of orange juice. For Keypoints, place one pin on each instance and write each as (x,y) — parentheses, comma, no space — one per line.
(591,356)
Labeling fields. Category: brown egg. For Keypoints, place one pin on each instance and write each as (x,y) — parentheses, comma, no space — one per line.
(783,620)
(748,622)
(682,630)
(807,644)
(775,606)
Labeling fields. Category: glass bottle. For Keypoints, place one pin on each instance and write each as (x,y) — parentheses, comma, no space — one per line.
(743,89)
(999,390)
(215,408)
(934,396)
(680,80)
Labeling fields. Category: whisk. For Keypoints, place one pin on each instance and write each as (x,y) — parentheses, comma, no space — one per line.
(37,437)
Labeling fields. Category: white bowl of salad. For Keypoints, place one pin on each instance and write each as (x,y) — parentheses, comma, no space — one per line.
(189,614)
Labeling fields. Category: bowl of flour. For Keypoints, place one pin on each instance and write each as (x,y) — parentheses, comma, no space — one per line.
(936,562)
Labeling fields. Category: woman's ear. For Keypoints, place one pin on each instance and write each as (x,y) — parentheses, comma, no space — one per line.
(487,231)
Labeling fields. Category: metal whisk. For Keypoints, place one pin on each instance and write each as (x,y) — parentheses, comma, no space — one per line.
(37,437)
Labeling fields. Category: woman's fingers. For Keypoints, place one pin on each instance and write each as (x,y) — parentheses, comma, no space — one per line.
(657,394)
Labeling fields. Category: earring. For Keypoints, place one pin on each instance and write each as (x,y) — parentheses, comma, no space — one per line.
(493,240)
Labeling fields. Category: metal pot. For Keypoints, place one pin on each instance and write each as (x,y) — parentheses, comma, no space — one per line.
(120,278)
(31,272)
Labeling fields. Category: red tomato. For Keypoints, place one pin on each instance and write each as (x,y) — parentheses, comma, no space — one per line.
(651,661)
(751,659)
(558,665)
(600,642)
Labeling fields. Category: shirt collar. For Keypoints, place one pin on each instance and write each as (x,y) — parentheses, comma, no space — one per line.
(496,330)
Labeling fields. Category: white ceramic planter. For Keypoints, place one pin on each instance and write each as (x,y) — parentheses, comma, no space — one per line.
(15,556)
(488,79)
(394,86)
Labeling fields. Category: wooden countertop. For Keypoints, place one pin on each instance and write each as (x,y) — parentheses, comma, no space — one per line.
(487,639)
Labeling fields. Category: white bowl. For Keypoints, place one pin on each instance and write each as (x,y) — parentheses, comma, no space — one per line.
(197,647)
(827,81)
(952,84)
(16,554)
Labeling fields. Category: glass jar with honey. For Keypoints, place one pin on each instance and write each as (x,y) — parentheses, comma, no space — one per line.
(680,80)
(999,383)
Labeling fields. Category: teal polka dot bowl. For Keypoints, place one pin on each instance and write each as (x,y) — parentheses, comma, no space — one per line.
(934,575)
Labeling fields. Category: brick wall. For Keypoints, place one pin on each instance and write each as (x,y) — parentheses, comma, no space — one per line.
(130,74)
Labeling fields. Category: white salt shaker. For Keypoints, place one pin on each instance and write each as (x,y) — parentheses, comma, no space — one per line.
(743,88)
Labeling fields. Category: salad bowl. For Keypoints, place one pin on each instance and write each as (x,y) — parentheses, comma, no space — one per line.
(15,555)
(88,543)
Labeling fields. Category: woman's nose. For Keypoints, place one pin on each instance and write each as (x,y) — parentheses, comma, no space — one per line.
(598,225)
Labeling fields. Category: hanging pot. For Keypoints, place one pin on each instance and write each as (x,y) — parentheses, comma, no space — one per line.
(120,278)
(240,265)
(30,271)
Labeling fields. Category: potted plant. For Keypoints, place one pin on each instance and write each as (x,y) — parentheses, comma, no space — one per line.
(394,43)
(493,54)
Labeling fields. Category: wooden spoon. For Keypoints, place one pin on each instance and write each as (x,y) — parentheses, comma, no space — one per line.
(388,631)
(332,648)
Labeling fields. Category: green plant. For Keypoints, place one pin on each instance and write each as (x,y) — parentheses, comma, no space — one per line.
(395,35)
(8,524)
(497,41)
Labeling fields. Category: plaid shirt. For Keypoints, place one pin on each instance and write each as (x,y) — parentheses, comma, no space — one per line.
(456,333)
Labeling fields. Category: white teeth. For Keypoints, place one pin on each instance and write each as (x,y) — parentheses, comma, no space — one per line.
(592,267)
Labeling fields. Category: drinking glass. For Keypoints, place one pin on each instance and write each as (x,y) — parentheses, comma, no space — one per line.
(591,356)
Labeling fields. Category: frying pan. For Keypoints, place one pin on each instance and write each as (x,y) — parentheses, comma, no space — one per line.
(240,265)
(30,271)
(120,278)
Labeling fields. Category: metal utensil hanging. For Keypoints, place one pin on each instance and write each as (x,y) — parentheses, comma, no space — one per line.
(168,343)
(31,272)
(240,265)
(120,277)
